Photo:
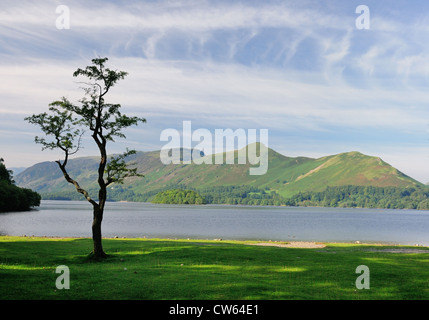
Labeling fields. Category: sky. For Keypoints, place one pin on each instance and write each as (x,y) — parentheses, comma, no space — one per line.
(321,76)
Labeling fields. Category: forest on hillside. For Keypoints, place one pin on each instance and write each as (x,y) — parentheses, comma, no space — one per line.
(178,196)
(13,198)
(365,197)
(339,196)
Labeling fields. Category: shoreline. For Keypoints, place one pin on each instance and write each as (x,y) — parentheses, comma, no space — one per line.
(243,205)
(263,243)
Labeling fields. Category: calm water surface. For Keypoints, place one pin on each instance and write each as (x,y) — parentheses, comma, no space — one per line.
(123,219)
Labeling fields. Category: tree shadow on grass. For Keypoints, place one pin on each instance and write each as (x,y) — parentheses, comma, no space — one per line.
(156,269)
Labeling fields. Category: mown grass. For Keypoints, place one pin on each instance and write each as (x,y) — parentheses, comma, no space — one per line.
(156,269)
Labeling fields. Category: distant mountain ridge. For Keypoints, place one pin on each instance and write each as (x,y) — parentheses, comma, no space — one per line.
(286,176)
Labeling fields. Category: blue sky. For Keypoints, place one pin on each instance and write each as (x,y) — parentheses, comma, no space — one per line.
(301,69)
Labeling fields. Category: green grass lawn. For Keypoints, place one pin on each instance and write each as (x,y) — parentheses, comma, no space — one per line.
(205,270)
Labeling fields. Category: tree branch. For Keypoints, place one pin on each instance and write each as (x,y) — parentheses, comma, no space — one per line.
(75,183)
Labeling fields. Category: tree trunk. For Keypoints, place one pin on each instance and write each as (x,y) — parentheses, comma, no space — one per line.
(97,252)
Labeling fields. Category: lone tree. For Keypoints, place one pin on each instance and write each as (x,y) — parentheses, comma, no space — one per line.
(66,123)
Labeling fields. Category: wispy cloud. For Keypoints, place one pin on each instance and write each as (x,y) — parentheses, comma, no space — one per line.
(301,69)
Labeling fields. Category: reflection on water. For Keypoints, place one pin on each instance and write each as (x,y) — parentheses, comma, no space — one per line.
(124,219)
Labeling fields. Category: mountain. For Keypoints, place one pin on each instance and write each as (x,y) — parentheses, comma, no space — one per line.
(286,176)
(17,170)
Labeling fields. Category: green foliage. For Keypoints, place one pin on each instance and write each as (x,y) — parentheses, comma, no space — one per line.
(105,122)
(365,197)
(343,196)
(117,169)
(94,112)
(61,125)
(13,198)
(66,123)
(245,195)
(179,196)
(5,175)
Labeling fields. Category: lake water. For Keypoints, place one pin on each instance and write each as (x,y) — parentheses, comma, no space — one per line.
(124,219)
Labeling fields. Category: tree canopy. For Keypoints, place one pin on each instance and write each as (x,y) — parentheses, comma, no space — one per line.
(13,198)
(179,196)
(66,122)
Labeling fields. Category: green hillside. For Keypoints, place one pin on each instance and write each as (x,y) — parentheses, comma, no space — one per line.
(286,176)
